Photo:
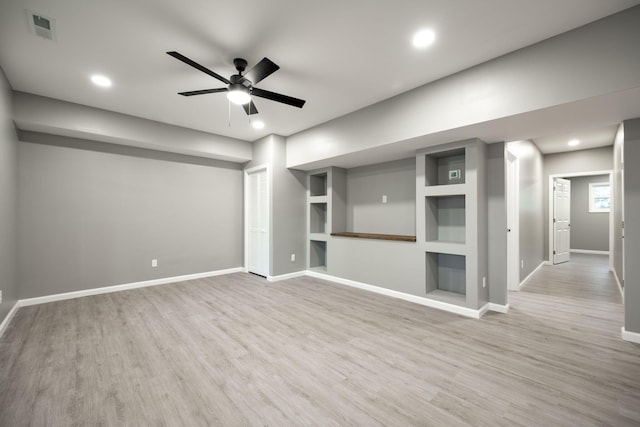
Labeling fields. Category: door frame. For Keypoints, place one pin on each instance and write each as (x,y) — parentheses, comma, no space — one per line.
(513,236)
(247,172)
(551,202)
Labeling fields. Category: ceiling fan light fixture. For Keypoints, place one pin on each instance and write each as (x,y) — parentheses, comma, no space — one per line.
(238,94)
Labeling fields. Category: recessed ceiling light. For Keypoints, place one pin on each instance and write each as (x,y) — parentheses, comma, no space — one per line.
(101,81)
(257,124)
(574,142)
(423,39)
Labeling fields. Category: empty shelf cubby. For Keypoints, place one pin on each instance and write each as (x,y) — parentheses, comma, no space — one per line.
(317,217)
(446,272)
(317,255)
(445,218)
(318,185)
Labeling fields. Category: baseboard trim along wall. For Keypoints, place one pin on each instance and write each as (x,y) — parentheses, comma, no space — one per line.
(286,276)
(8,318)
(633,337)
(588,251)
(499,308)
(124,287)
(535,270)
(452,308)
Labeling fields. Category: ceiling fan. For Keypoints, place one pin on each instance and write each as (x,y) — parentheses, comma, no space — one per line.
(241,87)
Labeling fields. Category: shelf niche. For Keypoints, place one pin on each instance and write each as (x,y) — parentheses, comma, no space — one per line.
(318,185)
(446,272)
(317,255)
(445,168)
(317,217)
(445,218)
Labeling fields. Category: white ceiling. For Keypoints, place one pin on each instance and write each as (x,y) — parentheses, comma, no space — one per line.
(589,138)
(338,55)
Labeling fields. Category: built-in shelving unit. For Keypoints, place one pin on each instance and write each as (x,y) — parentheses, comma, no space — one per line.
(326,190)
(451,222)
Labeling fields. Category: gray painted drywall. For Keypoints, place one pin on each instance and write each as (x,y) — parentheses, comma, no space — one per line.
(597,59)
(8,201)
(531,208)
(618,202)
(56,117)
(366,213)
(571,162)
(496,224)
(632,225)
(589,230)
(287,206)
(95,214)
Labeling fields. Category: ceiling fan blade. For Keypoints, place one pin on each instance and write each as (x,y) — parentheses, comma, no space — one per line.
(250,108)
(197,66)
(261,70)
(202,92)
(289,100)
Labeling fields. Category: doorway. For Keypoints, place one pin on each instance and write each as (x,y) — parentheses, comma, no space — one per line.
(513,222)
(563,195)
(257,235)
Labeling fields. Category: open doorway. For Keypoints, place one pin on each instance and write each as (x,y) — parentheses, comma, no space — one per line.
(580,220)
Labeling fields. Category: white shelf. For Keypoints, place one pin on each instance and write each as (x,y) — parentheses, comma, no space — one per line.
(318,199)
(452,248)
(446,190)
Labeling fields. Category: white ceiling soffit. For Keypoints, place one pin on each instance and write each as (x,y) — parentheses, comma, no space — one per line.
(338,56)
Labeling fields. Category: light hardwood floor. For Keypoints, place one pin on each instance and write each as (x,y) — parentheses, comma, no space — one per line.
(238,350)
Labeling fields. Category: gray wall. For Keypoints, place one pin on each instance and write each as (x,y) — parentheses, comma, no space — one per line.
(496,224)
(632,225)
(595,159)
(95,214)
(365,187)
(531,205)
(8,202)
(287,206)
(589,230)
(618,207)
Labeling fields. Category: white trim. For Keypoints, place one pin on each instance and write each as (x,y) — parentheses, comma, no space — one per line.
(286,276)
(452,308)
(588,251)
(264,167)
(499,308)
(7,319)
(526,279)
(513,207)
(550,208)
(630,336)
(124,287)
(620,288)
(547,262)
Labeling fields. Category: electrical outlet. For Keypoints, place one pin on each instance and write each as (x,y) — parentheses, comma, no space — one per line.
(521,263)
(293,257)
(0,297)
(384,198)
(154,263)
(484,282)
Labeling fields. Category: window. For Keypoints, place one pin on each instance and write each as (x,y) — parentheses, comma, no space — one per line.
(599,197)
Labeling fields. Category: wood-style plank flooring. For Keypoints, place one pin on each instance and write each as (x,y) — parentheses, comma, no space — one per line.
(238,350)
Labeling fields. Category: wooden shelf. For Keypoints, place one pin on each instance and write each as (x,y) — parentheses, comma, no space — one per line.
(395,237)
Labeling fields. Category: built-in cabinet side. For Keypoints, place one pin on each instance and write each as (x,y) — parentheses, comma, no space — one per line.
(326,212)
(451,221)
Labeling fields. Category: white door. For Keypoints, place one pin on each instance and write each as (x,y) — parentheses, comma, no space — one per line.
(513,223)
(561,220)
(258,223)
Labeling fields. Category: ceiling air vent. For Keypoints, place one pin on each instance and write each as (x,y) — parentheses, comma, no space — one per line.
(42,26)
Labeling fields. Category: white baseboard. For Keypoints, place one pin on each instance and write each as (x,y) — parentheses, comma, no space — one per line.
(587,251)
(500,308)
(452,308)
(615,275)
(124,287)
(5,322)
(526,279)
(286,276)
(547,262)
(633,337)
